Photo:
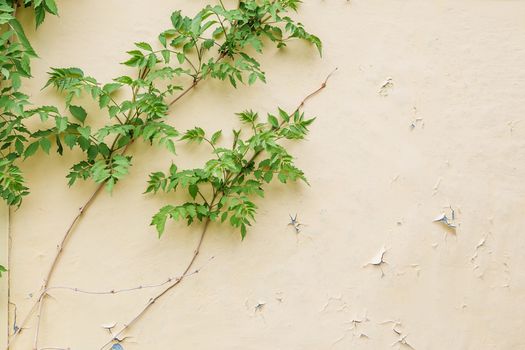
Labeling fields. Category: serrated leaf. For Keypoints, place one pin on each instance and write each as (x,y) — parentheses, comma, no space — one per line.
(45,144)
(61,124)
(144,46)
(273,121)
(85,131)
(215,137)
(51,6)
(78,112)
(31,149)
(193,190)
(181,57)
(13,23)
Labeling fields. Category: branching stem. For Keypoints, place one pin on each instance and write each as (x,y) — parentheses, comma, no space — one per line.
(196,252)
(153,300)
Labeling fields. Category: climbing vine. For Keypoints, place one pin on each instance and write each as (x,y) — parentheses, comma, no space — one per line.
(216,43)
(212,44)
(235,173)
(16,53)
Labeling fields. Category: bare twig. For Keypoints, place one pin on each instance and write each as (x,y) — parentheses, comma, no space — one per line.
(38,317)
(55,261)
(322,87)
(123,290)
(166,290)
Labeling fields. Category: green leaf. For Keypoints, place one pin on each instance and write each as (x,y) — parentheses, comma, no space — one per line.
(252,78)
(193,190)
(243,231)
(215,137)
(15,25)
(284,116)
(196,134)
(181,57)
(268,176)
(70,140)
(40,15)
(111,87)
(103,101)
(31,149)
(61,124)
(51,6)
(144,46)
(92,152)
(170,145)
(78,112)
(45,144)
(85,131)
(166,54)
(273,121)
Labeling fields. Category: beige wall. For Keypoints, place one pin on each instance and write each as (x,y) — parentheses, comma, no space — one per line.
(458,67)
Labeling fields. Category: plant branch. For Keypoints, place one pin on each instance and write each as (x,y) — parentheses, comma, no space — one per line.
(188,89)
(39,303)
(38,317)
(123,290)
(312,94)
(58,254)
(60,247)
(199,244)
(301,105)
(196,80)
(166,290)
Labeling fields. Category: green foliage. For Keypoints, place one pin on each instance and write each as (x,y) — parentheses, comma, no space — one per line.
(230,33)
(40,7)
(142,116)
(16,53)
(2,270)
(224,188)
(215,43)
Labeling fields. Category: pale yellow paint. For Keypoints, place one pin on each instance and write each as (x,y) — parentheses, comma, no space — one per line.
(375,182)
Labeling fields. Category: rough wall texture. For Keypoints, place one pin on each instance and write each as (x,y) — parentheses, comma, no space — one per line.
(446,131)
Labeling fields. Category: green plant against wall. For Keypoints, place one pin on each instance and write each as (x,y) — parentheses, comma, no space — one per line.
(216,43)
(235,174)
(16,54)
(225,187)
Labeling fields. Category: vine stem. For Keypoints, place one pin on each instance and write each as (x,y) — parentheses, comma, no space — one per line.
(188,89)
(55,261)
(312,94)
(118,291)
(194,84)
(44,288)
(165,290)
(196,252)
(60,248)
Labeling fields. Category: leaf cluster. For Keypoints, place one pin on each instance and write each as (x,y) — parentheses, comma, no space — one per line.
(16,53)
(224,188)
(233,34)
(213,44)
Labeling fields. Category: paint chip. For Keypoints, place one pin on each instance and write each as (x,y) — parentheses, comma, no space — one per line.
(385,88)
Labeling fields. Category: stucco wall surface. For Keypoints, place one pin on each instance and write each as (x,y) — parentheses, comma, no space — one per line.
(447,131)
